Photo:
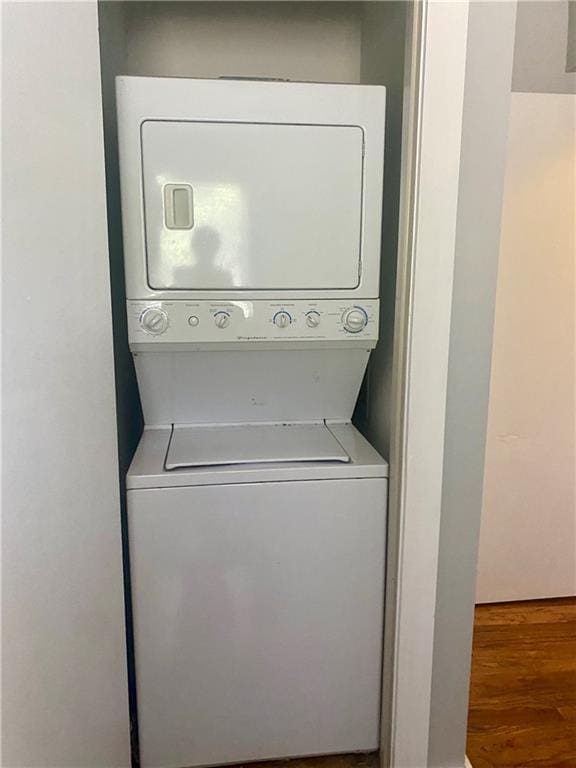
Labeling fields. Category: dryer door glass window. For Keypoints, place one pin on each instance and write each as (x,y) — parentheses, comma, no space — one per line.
(250,206)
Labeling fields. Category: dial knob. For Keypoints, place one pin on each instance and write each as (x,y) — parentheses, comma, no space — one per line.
(282,319)
(154,320)
(312,319)
(354,319)
(222,319)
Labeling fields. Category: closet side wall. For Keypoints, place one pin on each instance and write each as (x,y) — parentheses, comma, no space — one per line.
(383,44)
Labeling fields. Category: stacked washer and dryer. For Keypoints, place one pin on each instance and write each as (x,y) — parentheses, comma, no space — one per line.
(256,511)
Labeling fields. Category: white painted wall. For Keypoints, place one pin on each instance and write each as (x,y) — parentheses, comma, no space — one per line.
(64,689)
(299,41)
(528,536)
(541,48)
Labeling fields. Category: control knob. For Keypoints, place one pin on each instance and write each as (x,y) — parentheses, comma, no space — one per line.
(282,319)
(355,319)
(222,319)
(312,319)
(154,320)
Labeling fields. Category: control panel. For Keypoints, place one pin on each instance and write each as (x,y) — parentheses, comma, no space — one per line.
(251,321)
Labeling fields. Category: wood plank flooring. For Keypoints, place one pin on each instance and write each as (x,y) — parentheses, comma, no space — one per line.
(523,687)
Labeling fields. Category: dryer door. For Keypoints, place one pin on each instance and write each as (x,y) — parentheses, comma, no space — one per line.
(233,206)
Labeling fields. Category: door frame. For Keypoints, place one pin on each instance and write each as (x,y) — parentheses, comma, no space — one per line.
(435,68)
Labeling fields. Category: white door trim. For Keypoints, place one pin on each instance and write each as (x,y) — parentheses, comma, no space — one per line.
(435,75)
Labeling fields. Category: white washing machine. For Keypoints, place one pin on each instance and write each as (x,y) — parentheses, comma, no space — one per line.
(257,512)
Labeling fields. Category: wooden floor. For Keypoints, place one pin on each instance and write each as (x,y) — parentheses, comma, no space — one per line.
(523,687)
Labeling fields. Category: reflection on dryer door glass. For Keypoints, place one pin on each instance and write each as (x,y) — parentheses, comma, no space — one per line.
(215,253)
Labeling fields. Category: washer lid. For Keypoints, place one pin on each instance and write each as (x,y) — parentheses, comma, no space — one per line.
(201,446)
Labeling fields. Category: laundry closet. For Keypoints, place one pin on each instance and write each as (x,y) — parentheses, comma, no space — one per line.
(253,155)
